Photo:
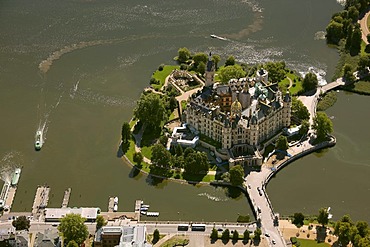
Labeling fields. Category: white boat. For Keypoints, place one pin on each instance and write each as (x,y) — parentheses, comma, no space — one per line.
(38,140)
(143,209)
(214,36)
(145,206)
(152,214)
(115,208)
(115,200)
(143,212)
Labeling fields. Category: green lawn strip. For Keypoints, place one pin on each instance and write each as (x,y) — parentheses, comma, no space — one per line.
(132,123)
(176,241)
(184,104)
(147,151)
(327,101)
(361,87)
(295,88)
(161,75)
(311,243)
(363,47)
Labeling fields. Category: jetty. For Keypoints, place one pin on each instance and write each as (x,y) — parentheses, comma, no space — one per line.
(41,200)
(66,197)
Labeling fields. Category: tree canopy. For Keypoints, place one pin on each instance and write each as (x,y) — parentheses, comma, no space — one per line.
(216,59)
(323,217)
(230,61)
(236,175)
(72,244)
(257,234)
(298,219)
(196,162)
(231,72)
(225,234)
(322,125)
(299,110)
(200,57)
(150,110)
(214,234)
(161,157)
(309,82)
(183,55)
(21,223)
(72,227)
(282,143)
(305,126)
(246,235)
(276,71)
(138,158)
(100,222)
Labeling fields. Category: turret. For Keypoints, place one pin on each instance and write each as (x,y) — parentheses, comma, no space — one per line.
(210,71)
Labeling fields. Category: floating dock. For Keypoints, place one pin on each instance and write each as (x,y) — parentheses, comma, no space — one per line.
(41,199)
(66,197)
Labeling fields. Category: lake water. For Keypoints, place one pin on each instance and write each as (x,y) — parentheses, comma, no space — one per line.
(75,68)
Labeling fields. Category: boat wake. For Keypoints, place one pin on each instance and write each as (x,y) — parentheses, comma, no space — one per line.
(212,198)
(74,90)
(8,164)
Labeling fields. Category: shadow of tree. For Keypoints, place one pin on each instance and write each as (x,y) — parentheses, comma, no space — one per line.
(320,234)
(256,242)
(233,192)
(193,178)
(153,180)
(135,171)
(120,152)
(225,241)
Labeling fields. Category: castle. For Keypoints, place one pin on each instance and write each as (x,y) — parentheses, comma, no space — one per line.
(242,115)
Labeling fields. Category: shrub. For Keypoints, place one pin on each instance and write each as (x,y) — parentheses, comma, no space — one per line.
(160,68)
(308,235)
(183,66)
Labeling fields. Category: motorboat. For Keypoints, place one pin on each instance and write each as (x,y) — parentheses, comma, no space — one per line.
(38,140)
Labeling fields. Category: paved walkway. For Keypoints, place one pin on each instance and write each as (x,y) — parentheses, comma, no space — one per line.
(364,27)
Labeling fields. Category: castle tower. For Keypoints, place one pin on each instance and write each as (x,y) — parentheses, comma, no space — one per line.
(287,108)
(253,130)
(210,71)
(236,109)
(245,97)
(262,76)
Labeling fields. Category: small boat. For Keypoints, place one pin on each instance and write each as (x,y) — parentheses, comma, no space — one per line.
(38,140)
(143,209)
(143,212)
(16,176)
(115,208)
(115,200)
(214,36)
(145,206)
(152,214)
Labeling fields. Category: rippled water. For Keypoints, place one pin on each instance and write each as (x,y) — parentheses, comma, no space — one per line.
(78,66)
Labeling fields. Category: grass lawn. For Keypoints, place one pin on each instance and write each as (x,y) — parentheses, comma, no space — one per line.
(311,243)
(161,75)
(176,241)
(147,151)
(327,101)
(361,87)
(296,87)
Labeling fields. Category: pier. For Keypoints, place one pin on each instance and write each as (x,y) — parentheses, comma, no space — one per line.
(41,200)
(66,197)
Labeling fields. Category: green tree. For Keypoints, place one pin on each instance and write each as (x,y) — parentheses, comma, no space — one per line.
(235,235)
(179,151)
(353,13)
(298,219)
(163,140)
(257,234)
(334,32)
(348,44)
(161,157)
(356,40)
(309,82)
(72,227)
(138,158)
(216,59)
(364,242)
(196,163)
(188,150)
(345,229)
(323,217)
(72,244)
(231,72)
(299,110)
(200,57)
(225,235)
(178,161)
(305,126)
(100,222)
(276,71)
(322,125)
(156,236)
(150,110)
(363,228)
(230,61)
(236,175)
(183,55)
(363,63)
(21,223)
(126,132)
(201,68)
(214,234)
(348,73)
(282,143)
(246,235)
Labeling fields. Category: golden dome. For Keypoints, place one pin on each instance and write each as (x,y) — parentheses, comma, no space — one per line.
(236,107)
